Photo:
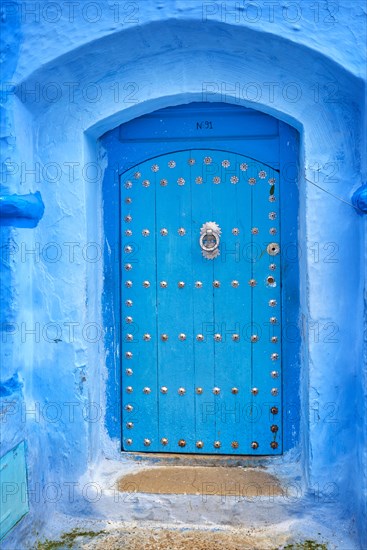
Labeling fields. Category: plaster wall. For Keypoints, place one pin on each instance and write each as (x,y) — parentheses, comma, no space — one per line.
(88,76)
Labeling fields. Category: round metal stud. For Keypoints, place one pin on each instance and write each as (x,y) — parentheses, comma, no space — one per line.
(164,389)
(254,338)
(129,389)
(164,337)
(199,391)
(182,336)
(274,339)
(129,372)
(128,355)
(272,231)
(147,442)
(252,282)
(146,390)
(128,284)
(273,320)
(146,183)
(234,391)
(200,338)
(128,232)
(274,410)
(272,215)
(254,445)
(129,408)
(129,425)
(255,391)
(272,303)
(234,445)
(155,168)
(147,337)
(234,180)
(243,167)
(273,249)
(163,284)
(274,356)
(216,284)
(137,175)
(128,218)
(128,200)
(171,163)
(272,267)
(199,444)
(274,391)
(271,181)
(199,180)
(128,184)
(225,163)
(129,303)
(274,445)
(182,443)
(181,391)
(198,284)
(181,181)
(164,232)
(145,232)
(252,181)
(207,160)
(262,174)
(216,444)
(191,162)
(235,337)
(274,428)
(272,198)
(274,374)
(235,284)
(255,230)
(129,319)
(181,284)
(146,284)
(164,441)
(129,337)
(216,180)
(164,182)
(129,441)
(181,231)
(128,267)
(217,337)
(235,231)
(270,280)
(216,391)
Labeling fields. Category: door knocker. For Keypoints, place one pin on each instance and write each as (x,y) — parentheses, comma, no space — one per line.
(209,240)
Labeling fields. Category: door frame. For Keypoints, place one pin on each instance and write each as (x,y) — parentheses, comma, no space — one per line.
(291,255)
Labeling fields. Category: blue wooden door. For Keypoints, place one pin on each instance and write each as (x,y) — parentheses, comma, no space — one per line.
(201,305)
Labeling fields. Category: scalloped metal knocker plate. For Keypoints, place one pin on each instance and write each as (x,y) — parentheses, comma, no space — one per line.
(210,233)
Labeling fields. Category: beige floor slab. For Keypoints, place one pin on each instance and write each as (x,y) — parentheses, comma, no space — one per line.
(201,480)
(164,539)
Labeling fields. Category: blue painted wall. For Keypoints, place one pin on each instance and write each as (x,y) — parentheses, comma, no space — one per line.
(71,78)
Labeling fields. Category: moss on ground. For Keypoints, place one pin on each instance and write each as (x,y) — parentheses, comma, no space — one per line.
(306,545)
(66,540)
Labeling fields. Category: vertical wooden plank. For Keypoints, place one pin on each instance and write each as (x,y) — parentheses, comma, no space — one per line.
(267,309)
(138,280)
(204,322)
(174,304)
(232,303)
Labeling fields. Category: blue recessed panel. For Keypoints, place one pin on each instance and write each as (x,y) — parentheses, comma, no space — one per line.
(13,488)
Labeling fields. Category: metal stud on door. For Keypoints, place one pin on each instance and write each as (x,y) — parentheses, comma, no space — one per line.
(201,368)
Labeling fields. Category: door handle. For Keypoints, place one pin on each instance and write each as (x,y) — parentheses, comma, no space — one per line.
(209,241)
